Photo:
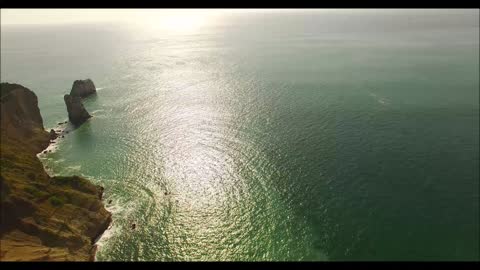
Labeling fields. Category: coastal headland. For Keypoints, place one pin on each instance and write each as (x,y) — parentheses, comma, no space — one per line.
(43,217)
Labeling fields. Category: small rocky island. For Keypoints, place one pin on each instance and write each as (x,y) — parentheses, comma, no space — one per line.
(76,111)
(43,217)
(83,88)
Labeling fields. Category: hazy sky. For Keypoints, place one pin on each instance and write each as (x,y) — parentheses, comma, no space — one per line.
(63,16)
(180,17)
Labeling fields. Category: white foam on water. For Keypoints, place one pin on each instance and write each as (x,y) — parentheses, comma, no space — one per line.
(380,100)
(74,168)
(112,230)
(96,112)
(59,160)
(119,211)
(51,148)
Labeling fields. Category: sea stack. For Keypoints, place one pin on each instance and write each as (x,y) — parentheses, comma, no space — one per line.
(76,112)
(83,88)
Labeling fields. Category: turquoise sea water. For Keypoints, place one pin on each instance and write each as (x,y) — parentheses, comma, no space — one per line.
(279,136)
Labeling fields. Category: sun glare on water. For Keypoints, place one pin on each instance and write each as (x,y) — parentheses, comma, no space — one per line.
(182,22)
(177,22)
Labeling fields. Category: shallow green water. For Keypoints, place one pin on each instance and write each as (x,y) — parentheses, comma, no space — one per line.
(291,141)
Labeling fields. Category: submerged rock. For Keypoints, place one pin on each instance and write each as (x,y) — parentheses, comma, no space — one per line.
(83,88)
(76,112)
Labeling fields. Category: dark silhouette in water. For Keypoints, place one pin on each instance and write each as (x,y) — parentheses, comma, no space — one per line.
(83,88)
(77,114)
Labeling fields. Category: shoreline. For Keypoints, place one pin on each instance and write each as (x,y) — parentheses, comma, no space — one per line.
(52,146)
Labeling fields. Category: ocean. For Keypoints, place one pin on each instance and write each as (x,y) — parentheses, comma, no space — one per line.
(270,136)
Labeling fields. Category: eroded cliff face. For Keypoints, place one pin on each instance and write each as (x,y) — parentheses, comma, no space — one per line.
(20,117)
(42,218)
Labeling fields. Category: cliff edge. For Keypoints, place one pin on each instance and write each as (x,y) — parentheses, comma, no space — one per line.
(42,218)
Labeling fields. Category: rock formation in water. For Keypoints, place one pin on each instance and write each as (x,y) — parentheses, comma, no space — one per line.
(42,217)
(53,134)
(76,112)
(83,88)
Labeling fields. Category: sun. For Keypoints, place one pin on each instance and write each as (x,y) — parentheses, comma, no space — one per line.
(175,21)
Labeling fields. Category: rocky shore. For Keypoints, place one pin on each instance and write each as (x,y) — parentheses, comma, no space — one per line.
(42,217)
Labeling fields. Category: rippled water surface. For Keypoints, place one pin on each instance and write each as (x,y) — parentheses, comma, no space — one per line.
(271,137)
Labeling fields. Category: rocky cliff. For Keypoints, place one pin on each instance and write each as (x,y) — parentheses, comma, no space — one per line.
(20,117)
(42,217)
